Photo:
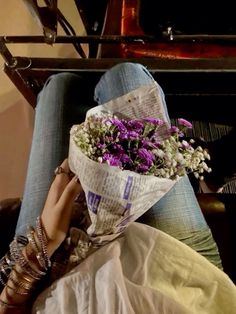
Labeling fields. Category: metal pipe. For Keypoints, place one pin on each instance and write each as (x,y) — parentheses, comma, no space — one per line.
(7,56)
(153,64)
(114,39)
(79,39)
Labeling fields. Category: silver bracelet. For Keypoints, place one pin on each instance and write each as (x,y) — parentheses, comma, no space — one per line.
(36,249)
(43,241)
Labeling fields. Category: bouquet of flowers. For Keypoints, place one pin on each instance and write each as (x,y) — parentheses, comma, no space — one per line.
(136,145)
(127,157)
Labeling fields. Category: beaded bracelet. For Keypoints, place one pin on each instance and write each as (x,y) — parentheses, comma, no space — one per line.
(43,241)
(31,239)
(37,252)
(15,251)
(36,256)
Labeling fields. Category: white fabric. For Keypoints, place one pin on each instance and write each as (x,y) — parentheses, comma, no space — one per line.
(146,271)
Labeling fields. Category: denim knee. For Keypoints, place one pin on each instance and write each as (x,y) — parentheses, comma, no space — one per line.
(129,68)
(121,79)
(58,81)
(57,86)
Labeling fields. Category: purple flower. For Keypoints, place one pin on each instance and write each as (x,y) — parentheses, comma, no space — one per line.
(174,129)
(123,136)
(132,135)
(136,125)
(118,149)
(145,155)
(150,143)
(112,160)
(154,121)
(146,143)
(185,144)
(120,126)
(129,135)
(125,159)
(142,168)
(185,123)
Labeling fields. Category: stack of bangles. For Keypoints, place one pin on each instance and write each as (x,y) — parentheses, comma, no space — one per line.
(25,264)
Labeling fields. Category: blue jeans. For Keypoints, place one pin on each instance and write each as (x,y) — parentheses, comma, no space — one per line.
(63,101)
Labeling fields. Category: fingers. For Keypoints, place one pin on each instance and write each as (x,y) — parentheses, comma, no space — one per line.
(69,194)
(60,182)
(65,204)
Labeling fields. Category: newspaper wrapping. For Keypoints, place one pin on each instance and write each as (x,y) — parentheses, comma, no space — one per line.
(118,197)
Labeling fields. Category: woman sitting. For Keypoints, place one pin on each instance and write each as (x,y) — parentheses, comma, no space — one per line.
(169,263)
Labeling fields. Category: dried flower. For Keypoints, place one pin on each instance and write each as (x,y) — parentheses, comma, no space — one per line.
(138,145)
(185,123)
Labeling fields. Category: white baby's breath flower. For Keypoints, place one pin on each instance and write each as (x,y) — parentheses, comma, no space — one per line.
(100,160)
(159,153)
(196,160)
(168,156)
(179,158)
(162,172)
(206,155)
(204,165)
(174,163)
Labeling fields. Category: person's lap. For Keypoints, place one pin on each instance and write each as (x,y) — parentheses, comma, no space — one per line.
(62,103)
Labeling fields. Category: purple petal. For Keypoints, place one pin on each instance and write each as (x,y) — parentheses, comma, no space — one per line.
(120,126)
(146,143)
(174,129)
(118,149)
(185,144)
(123,136)
(125,159)
(136,125)
(112,160)
(142,168)
(132,135)
(185,123)
(146,156)
(154,121)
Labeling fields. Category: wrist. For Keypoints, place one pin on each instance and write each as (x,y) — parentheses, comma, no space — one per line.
(6,308)
(30,266)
